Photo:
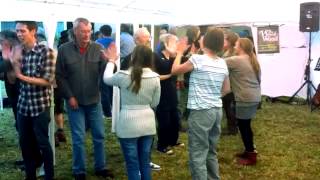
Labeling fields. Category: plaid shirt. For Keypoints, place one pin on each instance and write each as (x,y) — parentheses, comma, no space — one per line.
(38,63)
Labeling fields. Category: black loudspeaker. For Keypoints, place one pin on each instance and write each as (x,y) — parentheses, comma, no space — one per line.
(309,17)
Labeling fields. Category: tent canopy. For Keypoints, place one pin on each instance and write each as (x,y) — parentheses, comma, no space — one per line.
(153,11)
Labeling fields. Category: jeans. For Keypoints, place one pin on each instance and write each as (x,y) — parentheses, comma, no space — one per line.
(92,114)
(34,143)
(136,152)
(204,131)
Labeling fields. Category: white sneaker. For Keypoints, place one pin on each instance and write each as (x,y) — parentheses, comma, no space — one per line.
(155,167)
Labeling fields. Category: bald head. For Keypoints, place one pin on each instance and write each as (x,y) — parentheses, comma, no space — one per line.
(142,36)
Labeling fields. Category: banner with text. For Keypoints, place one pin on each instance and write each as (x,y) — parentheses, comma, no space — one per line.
(268,39)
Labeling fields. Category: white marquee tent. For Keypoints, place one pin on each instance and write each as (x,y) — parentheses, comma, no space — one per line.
(282,73)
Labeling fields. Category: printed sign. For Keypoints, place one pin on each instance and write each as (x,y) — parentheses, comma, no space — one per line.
(268,39)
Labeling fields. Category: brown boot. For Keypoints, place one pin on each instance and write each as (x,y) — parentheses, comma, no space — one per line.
(249,160)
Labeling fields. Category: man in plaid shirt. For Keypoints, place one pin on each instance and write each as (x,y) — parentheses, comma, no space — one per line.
(34,65)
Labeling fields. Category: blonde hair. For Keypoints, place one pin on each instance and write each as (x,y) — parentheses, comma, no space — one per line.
(247,46)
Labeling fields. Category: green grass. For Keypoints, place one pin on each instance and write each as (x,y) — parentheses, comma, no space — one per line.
(287,138)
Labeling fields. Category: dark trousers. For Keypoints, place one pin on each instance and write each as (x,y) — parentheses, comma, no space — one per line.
(34,143)
(246,134)
(12,91)
(229,108)
(106,99)
(168,127)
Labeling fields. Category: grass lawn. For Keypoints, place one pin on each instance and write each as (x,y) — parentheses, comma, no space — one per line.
(287,138)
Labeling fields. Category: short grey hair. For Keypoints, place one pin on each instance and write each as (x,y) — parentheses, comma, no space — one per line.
(164,38)
(141,31)
(80,20)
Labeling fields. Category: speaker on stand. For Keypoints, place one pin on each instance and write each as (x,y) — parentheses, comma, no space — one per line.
(309,22)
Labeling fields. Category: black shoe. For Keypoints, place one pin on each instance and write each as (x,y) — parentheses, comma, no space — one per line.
(80,176)
(104,173)
(165,151)
(19,162)
(60,136)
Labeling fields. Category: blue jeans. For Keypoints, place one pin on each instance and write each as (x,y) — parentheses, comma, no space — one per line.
(136,153)
(92,114)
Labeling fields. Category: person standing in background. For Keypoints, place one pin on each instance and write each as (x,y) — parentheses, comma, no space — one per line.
(208,82)
(79,68)
(141,37)
(230,39)
(127,43)
(245,79)
(8,40)
(106,90)
(140,93)
(34,65)
(167,111)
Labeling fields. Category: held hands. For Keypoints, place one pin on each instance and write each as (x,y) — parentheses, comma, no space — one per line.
(110,53)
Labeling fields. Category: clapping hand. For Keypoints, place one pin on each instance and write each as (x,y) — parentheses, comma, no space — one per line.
(110,53)
(182,45)
(15,59)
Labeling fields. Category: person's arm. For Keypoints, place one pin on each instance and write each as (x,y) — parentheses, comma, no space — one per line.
(110,54)
(47,76)
(33,80)
(108,75)
(177,67)
(232,62)
(156,95)
(164,77)
(225,86)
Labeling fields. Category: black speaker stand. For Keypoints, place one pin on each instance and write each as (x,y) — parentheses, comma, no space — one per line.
(307,82)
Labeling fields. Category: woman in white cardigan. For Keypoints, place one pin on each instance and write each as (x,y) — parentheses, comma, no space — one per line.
(140,93)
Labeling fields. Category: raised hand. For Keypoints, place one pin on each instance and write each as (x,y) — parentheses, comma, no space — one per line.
(182,45)
(6,50)
(110,53)
(15,59)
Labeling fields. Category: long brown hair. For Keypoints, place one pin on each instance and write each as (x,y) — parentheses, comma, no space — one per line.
(247,46)
(232,38)
(142,57)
